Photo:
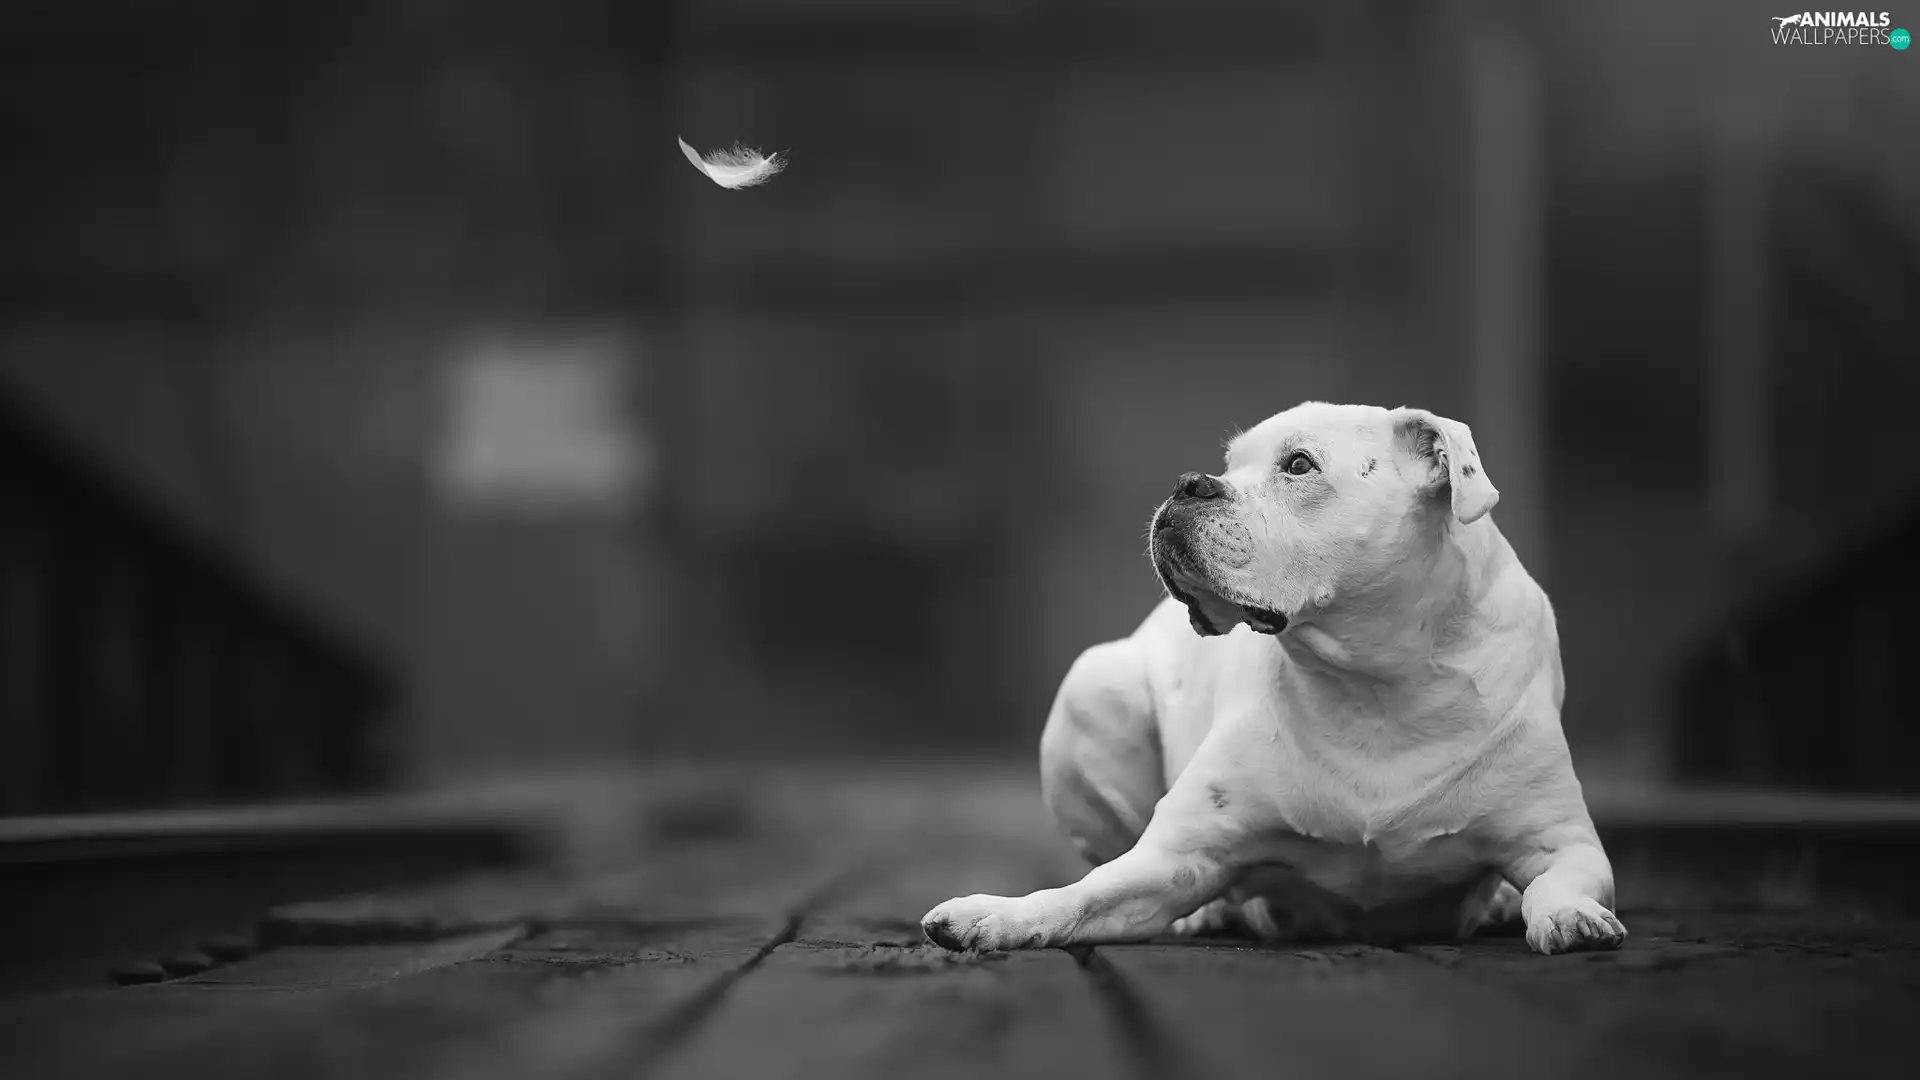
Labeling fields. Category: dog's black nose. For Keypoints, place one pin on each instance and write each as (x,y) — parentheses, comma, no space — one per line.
(1195,485)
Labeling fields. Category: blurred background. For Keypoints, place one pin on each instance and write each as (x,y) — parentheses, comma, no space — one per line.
(384,400)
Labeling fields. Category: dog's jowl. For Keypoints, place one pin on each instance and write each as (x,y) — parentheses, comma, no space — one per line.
(1343,721)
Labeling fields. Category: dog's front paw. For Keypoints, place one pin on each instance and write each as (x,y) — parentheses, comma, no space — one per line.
(983,923)
(1581,923)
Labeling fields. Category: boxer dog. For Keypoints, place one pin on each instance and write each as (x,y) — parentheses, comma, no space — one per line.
(1343,721)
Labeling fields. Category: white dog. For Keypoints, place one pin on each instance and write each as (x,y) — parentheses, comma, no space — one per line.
(1359,737)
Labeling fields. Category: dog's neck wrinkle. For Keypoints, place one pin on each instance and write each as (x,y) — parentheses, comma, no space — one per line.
(1398,645)
(1399,629)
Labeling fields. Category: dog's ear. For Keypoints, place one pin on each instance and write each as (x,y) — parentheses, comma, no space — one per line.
(1445,449)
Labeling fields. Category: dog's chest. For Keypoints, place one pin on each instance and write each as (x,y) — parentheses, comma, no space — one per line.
(1384,869)
(1371,854)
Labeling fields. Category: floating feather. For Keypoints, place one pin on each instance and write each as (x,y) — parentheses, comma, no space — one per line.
(735,168)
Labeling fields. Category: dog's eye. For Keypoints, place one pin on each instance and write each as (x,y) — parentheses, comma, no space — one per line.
(1297,464)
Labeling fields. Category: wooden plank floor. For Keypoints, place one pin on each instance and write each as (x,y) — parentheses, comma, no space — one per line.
(786,944)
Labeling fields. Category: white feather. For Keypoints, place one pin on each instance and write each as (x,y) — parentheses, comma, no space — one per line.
(735,168)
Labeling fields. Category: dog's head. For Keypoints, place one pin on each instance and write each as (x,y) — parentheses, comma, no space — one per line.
(1319,504)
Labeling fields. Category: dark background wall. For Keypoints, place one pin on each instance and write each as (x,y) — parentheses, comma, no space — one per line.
(863,456)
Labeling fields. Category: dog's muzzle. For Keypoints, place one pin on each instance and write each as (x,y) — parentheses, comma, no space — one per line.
(1180,572)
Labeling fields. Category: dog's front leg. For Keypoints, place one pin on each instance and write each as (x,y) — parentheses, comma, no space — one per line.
(1566,885)
(1135,897)
(1176,866)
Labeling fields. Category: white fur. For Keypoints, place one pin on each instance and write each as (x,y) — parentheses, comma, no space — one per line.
(1389,765)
